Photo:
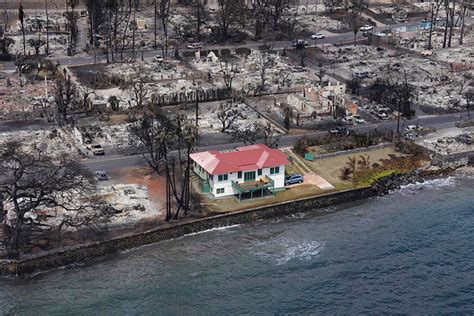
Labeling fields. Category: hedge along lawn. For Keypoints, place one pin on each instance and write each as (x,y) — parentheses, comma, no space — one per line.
(330,168)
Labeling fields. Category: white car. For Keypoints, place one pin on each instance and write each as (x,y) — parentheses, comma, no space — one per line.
(366,28)
(317,36)
(358,119)
(411,128)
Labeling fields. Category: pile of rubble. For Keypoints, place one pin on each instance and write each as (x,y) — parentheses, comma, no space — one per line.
(438,86)
(57,43)
(451,141)
(130,202)
(51,140)
(116,135)
(20,102)
(311,23)
(247,74)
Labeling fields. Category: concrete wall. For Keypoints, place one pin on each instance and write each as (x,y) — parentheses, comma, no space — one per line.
(353,151)
(91,251)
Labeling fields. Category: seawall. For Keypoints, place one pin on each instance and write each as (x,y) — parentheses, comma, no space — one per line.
(87,252)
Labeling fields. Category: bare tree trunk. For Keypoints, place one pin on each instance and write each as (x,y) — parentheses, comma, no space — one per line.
(125,29)
(73,23)
(47,26)
(155,17)
(461,37)
(446,27)
(93,34)
(452,23)
(24,38)
(431,27)
(133,31)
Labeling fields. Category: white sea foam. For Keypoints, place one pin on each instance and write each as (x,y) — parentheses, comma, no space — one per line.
(429,184)
(303,251)
(213,229)
(284,250)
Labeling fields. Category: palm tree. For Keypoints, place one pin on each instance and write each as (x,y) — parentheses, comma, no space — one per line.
(352,164)
(21,17)
(345,173)
(364,162)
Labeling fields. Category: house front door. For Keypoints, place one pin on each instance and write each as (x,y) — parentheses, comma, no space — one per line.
(249,176)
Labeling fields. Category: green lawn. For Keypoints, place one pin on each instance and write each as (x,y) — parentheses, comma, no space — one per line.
(330,168)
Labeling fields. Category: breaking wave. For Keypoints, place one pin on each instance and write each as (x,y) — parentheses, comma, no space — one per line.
(429,184)
(213,229)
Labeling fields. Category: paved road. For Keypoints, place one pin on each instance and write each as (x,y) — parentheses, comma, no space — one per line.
(108,163)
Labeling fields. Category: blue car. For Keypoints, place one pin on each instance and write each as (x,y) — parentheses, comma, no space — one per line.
(294,178)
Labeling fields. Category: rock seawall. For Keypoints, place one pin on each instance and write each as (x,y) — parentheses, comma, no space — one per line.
(87,252)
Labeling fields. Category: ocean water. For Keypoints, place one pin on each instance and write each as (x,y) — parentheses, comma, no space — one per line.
(411,252)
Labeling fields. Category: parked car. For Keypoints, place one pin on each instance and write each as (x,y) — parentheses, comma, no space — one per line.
(357,119)
(348,120)
(158,58)
(101,176)
(96,149)
(383,116)
(317,36)
(411,128)
(194,46)
(339,130)
(293,179)
(366,28)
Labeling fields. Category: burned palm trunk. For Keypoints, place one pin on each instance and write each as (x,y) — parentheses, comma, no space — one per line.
(445,39)
(461,36)
(451,24)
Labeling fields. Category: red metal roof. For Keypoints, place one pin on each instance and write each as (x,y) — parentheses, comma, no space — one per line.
(245,158)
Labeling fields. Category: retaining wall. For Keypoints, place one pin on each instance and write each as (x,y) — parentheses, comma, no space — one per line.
(85,253)
(353,151)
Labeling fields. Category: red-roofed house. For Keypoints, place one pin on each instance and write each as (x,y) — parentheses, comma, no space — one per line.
(241,170)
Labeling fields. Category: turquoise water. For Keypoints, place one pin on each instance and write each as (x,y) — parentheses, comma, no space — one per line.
(411,252)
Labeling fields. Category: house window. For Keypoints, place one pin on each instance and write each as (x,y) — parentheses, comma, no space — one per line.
(239,175)
(274,170)
(211,177)
(223,177)
(220,191)
(259,172)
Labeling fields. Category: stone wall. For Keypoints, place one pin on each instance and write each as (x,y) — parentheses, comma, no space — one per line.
(353,151)
(85,253)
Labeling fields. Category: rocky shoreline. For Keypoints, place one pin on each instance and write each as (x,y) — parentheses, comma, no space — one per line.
(395,181)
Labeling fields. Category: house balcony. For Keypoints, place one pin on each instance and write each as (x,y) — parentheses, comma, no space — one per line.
(254,187)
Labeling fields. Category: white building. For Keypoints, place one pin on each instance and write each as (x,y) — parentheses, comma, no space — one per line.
(244,170)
